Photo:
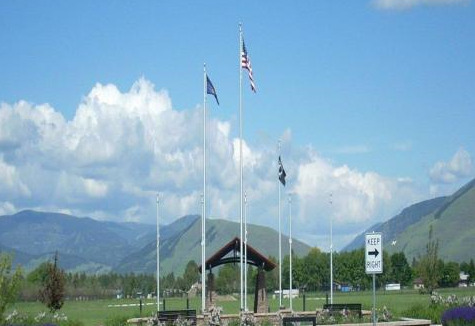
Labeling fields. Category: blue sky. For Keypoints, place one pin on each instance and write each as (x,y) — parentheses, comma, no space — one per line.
(100,107)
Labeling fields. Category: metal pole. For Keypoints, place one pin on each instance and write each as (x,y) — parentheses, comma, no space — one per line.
(374,299)
(240,164)
(203,267)
(280,246)
(158,258)
(245,251)
(331,251)
(290,248)
(203,215)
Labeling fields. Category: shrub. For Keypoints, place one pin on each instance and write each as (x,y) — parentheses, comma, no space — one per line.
(42,318)
(116,321)
(432,312)
(9,283)
(459,316)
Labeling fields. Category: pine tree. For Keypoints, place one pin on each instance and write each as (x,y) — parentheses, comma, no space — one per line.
(52,294)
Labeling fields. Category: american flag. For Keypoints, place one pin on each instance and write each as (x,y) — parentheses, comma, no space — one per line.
(246,64)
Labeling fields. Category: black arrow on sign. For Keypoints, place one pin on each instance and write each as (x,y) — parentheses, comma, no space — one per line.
(375,253)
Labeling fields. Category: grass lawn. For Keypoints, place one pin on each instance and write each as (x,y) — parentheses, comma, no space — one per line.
(93,313)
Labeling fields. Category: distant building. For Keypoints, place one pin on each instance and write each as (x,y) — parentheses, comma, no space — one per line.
(418,283)
(392,287)
(463,280)
(345,287)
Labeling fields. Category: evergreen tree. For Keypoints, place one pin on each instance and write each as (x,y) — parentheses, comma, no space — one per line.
(52,294)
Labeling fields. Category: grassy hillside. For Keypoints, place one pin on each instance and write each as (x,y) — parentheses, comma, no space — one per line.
(393,228)
(176,252)
(453,225)
(38,233)
(452,219)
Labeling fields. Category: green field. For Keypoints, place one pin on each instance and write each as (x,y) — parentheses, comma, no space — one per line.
(92,313)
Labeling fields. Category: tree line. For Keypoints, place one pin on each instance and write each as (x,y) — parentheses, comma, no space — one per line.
(310,273)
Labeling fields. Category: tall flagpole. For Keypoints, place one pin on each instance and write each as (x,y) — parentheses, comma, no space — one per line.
(203,215)
(240,165)
(280,246)
(245,251)
(158,258)
(290,248)
(331,251)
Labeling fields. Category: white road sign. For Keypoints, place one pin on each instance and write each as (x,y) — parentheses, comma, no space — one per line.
(374,253)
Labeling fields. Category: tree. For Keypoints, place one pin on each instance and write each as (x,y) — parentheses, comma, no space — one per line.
(9,283)
(191,275)
(52,294)
(428,265)
(228,279)
(450,274)
(400,270)
(316,268)
(39,274)
(272,277)
(471,271)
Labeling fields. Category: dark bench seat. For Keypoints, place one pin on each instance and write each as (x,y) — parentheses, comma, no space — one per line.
(298,319)
(339,307)
(169,316)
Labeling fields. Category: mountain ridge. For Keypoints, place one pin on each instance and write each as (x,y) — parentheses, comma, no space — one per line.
(33,237)
(451,217)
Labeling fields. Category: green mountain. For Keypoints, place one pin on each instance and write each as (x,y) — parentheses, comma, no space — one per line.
(94,246)
(393,228)
(39,233)
(177,251)
(452,219)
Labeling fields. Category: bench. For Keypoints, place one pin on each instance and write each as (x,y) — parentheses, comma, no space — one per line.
(294,319)
(169,316)
(339,307)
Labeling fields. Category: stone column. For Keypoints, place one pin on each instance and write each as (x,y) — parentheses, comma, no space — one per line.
(210,291)
(261,305)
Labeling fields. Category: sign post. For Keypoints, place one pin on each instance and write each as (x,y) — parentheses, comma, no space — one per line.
(374,261)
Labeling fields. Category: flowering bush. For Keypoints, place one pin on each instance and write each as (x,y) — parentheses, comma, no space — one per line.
(215,316)
(385,314)
(459,316)
(248,319)
(452,300)
(326,317)
(181,321)
(42,318)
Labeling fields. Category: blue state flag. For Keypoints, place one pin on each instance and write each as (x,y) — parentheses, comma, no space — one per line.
(210,89)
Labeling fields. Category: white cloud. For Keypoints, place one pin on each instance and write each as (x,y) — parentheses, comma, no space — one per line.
(459,167)
(121,148)
(95,188)
(407,4)
(358,199)
(7,208)
(10,181)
